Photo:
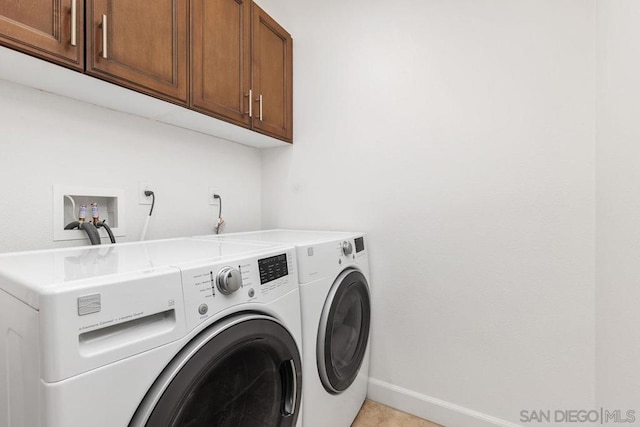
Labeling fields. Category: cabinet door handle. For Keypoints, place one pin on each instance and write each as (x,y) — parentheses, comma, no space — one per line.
(260,99)
(250,103)
(103,25)
(74,20)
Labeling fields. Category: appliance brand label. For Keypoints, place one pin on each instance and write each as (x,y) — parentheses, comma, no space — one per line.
(89,304)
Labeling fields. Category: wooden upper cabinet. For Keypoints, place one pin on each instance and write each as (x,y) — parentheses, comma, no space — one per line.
(50,29)
(140,44)
(224,58)
(220,59)
(241,66)
(272,71)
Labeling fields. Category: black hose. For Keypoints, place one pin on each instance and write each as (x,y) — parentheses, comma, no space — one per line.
(87,227)
(153,200)
(72,225)
(109,232)
(92,232)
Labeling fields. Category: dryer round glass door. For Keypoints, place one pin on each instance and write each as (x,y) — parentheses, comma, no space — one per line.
(245,372)
(343,333)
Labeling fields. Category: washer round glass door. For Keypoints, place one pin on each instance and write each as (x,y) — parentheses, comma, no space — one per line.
(245,372)
(343,333)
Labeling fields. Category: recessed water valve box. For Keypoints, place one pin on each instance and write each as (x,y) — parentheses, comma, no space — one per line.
(67,201)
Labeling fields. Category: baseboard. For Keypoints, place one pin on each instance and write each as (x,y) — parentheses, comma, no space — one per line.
(430,408)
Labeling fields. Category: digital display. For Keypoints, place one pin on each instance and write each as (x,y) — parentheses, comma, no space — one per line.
(359,244)
(273,268)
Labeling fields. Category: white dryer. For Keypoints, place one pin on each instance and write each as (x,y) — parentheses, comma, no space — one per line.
(163,333)
(333,271)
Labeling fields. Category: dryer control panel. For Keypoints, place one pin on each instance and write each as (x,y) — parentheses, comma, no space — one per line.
(326,259)
(211,288)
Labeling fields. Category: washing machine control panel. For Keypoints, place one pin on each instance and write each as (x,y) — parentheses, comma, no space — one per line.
(228,280)
(212,288)
(347,248)
(273,268)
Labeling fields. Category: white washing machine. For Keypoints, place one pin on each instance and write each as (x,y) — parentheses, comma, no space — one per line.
(178,332)
(333,271)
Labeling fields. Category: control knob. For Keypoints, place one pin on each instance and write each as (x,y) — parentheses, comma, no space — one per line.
(347,248)
(228,280)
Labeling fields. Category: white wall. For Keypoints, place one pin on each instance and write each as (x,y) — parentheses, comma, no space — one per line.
(618,201)
(460,136)
(46,139)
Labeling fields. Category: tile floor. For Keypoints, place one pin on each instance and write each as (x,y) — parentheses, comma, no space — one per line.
(374,414)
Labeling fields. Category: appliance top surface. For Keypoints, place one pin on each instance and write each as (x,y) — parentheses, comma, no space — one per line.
(50,270)
(295,237)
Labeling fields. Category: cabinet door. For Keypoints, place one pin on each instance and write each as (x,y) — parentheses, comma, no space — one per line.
(140,44)
(220,58)
(272,68)
(50,29)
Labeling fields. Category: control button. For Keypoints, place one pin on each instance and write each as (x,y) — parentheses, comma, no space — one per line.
(203,309)
(251,293)
(228,280)
(347,247)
